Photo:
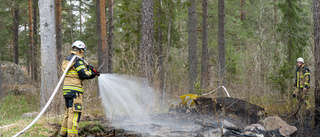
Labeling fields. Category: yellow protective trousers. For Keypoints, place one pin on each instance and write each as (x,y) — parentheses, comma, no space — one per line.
(303,94)
(69,127)
(300,93)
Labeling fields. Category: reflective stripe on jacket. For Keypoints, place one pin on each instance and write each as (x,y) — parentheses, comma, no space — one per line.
(302,77)
(76,74)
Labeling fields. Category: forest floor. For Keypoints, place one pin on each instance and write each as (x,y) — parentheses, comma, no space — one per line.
(184,125)
(174,123)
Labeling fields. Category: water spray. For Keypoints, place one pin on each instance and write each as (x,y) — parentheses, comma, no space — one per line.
(127,100)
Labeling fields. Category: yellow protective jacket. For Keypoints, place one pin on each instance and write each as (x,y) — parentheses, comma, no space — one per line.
(302,77)
(75,75)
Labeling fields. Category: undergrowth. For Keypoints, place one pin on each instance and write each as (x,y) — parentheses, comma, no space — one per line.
(274,104)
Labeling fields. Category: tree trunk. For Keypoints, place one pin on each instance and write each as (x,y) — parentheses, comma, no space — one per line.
(1,91)
(192,40)
(58,33)
(160,53)
(138,43)
(274,16)
(205,56)
(16,33)
(275,11)
(49,73)
(110,38)
(168,52)
(27,56)
(290,43)
(290,50)
(316,25)
(80,19)
(71,20)
(102,42)
(31,42)
(146,47)
(35,41)
(242,17)
(221,42)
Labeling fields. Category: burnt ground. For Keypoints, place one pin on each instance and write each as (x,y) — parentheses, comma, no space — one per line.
(209,118)
(165,124)
(191,125)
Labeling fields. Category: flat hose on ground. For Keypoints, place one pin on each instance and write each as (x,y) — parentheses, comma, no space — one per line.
(51,98)
(215,90)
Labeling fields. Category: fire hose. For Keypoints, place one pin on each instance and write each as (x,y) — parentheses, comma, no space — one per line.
(216,89)
(54,93)
(95,71)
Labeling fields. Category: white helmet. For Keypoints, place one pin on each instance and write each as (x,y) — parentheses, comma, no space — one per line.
(79,44)
(300,60)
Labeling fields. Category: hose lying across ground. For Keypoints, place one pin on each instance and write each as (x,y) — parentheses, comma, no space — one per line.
(51,98)
(216,89)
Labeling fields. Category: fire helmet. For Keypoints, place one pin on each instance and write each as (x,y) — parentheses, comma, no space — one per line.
(79,44)
(300,60)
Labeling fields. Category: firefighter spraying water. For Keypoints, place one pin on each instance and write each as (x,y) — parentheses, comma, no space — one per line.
(73,88)
(76,69)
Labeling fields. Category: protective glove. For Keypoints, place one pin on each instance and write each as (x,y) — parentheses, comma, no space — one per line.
(93,75)
(294,95)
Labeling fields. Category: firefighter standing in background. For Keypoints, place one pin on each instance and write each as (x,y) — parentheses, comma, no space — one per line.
(73,90)
(302,82)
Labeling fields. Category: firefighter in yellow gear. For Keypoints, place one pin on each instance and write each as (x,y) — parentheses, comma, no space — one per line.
(302,82)
(73,89)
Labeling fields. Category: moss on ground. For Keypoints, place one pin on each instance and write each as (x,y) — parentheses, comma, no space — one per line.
(91,128)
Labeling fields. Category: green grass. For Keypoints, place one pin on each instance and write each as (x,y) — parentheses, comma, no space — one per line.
(13,106)
(85,123)
(11,110)
(40,129)
(276,104)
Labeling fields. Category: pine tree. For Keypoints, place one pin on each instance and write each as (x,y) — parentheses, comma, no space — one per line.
(110,37)
(192,40)
(16,33)
(35,41)
(58,32)
(49,74)
(221,41)
(316,21)
(147,40)
(205,56)
(1,91)
(160,52)
(291,29)
(102,39)
(31,42)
